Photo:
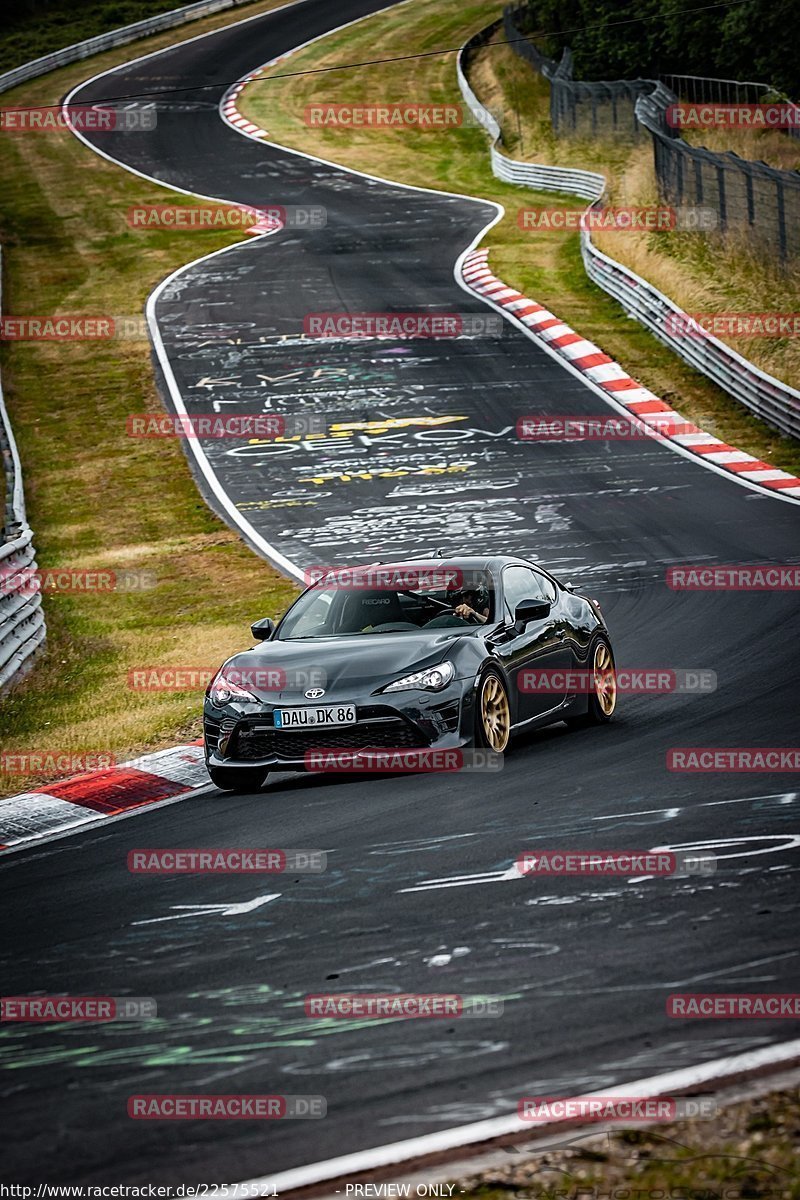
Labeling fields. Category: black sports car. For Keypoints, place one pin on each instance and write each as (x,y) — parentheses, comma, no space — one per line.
(434,654)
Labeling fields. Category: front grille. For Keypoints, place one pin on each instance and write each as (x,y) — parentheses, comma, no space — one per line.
(387,733)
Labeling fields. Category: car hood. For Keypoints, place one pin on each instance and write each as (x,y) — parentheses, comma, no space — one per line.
(351,665)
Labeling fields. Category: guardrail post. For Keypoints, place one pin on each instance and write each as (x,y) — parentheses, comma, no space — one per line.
(784,252)
(721,198)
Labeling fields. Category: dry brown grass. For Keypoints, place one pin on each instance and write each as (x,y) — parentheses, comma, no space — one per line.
(702,273)
(746,1151)
(759,145)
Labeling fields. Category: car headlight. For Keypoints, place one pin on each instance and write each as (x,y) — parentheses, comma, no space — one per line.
(222,690)
(433,679)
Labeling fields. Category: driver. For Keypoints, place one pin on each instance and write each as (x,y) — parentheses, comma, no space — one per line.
(472,604)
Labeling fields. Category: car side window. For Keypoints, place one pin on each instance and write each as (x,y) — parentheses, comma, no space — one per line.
(519,583)
(546,586)
(313,618)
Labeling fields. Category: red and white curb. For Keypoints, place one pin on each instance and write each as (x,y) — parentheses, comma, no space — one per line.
(231,113)
(613,379)
(86,798)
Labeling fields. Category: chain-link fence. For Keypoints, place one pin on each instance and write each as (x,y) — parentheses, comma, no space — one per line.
(753,198)
(770,399)
(697,89)
(577,108)
(748,197)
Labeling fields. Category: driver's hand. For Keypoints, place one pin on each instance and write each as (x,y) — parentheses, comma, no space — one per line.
(469,614)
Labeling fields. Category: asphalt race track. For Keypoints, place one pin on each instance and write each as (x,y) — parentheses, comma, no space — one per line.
(584,966)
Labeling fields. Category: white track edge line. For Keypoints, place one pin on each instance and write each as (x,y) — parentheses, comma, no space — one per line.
(458,1136)
(209,474)
(267,549)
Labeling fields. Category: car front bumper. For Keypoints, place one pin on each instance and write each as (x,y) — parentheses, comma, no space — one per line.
(245,736)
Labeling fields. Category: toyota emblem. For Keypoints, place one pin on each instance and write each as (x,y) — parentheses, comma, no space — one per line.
(314,693)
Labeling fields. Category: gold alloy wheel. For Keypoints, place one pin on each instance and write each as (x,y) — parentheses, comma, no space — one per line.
(495,713)
(605,679)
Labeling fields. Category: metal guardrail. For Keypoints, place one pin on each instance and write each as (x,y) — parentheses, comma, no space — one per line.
(587,184)
(114,37)
(752,197)
(22,627)
(770,399)
(773,401)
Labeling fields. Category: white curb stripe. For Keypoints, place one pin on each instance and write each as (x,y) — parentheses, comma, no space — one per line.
(33,814)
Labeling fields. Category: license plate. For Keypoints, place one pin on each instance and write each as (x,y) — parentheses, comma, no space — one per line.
(326,717)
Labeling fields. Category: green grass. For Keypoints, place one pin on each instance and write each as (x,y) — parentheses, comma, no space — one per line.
(98,499)
(545,265)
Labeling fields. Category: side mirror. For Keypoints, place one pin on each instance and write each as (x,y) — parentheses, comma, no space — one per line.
(530,610)
(263,629)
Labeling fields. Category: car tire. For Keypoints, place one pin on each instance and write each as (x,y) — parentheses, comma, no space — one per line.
(238,779)
(603,698)
(492,713)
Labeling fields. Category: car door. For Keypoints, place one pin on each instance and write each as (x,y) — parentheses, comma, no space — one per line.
(540,647)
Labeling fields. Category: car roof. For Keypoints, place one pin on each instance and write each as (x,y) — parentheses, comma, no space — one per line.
(475,561)
(493,564)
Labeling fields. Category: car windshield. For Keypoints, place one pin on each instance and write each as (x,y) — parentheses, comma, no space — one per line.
(366,605)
